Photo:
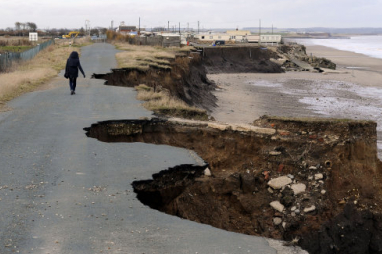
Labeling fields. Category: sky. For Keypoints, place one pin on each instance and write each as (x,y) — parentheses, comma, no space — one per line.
(209,13)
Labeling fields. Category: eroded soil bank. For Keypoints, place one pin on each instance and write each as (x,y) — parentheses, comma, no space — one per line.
(318,181)
(186,75)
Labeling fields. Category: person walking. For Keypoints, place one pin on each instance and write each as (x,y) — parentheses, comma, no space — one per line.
(71,71)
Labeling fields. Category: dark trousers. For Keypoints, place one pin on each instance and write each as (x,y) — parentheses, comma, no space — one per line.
(72,84)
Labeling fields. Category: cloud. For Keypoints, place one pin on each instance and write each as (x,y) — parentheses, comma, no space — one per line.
(212,13)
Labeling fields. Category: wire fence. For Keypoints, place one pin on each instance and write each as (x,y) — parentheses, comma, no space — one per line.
(8,58)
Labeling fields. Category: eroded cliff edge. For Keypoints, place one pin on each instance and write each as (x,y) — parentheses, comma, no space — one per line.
(315,181)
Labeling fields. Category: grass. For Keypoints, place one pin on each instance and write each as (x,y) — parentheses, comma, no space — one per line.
(28,76)
(14,48)
(162,103)
(142,57)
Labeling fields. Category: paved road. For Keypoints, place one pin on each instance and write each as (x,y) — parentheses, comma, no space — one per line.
(61,192)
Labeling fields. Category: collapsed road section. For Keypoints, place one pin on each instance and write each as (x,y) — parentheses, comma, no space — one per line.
(315,183)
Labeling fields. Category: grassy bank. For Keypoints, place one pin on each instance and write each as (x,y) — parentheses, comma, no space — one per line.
(159,101)
(142,57)
(162,103)
(28,76)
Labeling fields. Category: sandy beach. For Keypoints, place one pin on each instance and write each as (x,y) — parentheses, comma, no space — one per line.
(353,91)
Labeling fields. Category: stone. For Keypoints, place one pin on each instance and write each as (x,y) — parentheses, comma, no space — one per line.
(323,192)
(207,172)
(310,209)
(277,206)
(312,168)
(274,153)
(298,188)
(248,183)
(277,221)
(318,176)
(270,190)
(297,211)
(278,183)
(287,200)
(291,176)
(293,208)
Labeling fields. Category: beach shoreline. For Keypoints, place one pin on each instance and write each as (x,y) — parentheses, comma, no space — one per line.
(235,95)
(349,92)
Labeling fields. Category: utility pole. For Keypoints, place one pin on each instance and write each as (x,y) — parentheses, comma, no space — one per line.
(260,27)
(198,26)
(260,31)
(168,26)
(179,27)
(272,28)
(139,27)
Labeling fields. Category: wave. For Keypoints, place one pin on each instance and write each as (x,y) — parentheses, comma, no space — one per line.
(366,45)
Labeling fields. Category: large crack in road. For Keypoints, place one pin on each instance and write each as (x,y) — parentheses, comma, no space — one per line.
(283,178)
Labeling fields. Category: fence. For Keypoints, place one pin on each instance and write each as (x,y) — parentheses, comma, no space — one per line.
(163,41)
(7,58)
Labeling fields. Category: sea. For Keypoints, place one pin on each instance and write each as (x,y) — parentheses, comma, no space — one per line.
(367,45)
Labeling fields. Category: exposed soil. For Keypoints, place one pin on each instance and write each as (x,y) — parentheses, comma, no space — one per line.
(185,79)
(316,183)
(240,59)
(335,161)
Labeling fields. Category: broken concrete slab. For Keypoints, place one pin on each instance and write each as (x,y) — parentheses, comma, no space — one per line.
(278,183)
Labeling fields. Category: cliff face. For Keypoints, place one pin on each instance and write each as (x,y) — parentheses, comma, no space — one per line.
(278,178)
(185,78)
(186,75)
(240,60)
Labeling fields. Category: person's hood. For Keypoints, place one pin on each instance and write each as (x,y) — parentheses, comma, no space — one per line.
(74,55)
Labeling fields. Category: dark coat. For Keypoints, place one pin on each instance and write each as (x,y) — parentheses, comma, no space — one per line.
(72,66)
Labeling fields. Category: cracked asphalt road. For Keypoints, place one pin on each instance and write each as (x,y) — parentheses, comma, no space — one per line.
(61,192)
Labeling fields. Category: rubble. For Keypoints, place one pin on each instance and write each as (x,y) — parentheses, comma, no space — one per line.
(280,182)
(298,188)
(277,206)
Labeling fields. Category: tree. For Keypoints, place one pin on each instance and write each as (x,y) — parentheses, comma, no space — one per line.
(103,30)
(82,31)
(32,26)
(18,25)
(94,32)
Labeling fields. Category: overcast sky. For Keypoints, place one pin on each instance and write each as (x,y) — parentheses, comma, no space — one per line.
(210,13)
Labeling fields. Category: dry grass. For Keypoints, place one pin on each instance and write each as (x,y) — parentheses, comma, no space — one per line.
(142,57)
(28,76)
(163,103)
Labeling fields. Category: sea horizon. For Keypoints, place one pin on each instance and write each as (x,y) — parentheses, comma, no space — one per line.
(369,45)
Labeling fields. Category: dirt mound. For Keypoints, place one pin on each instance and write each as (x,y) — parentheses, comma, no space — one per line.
(282,178)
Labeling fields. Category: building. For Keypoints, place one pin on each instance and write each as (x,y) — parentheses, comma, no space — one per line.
(210,37)
(270,39)
(124,29)
(239,36)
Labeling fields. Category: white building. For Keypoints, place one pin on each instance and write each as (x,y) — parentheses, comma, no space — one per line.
(240,36)
(270,38)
